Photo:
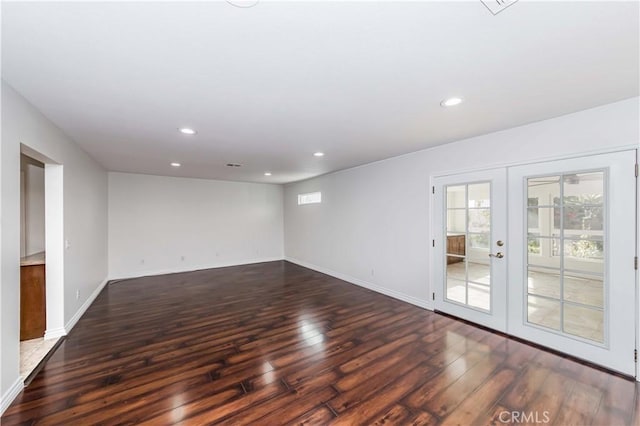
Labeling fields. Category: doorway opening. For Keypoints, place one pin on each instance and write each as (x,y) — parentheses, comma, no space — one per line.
(41,259)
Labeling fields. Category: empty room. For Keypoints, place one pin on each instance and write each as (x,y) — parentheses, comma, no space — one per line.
(254,212)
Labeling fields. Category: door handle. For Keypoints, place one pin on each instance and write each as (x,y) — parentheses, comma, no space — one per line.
(499,255)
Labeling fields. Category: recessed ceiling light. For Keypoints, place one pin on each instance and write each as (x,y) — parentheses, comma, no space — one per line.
(267,173)
(187,131)
(318,154)
(451,102)
(175,164)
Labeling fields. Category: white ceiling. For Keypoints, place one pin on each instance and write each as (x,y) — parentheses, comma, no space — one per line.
(267,86)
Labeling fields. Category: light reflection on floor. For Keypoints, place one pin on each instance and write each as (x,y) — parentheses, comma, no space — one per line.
(310,333)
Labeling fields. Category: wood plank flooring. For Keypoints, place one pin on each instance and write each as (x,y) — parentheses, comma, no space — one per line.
(275,343)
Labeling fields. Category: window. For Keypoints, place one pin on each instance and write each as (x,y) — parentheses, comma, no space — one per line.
(310,198)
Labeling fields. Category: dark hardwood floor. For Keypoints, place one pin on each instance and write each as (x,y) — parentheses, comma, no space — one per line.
(275,343)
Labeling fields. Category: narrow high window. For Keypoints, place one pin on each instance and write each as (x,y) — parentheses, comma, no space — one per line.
(310,198)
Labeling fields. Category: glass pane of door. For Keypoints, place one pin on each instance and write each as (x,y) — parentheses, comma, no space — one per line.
(468,236)
(565,254)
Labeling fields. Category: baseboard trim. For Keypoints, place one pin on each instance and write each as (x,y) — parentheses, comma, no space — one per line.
(425,304)
(191,268)
(54,333)
(76,317)
(11,394)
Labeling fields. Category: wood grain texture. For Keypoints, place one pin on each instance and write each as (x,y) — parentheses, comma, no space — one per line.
(33,314)
(275,343)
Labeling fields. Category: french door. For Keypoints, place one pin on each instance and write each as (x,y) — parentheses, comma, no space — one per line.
(470,246)
(569,250)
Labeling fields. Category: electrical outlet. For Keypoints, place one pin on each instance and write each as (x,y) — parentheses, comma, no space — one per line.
(77,294)
(67,244)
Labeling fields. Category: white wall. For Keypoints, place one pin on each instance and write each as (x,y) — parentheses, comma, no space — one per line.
(166,224)
(84,212)
(373,226)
